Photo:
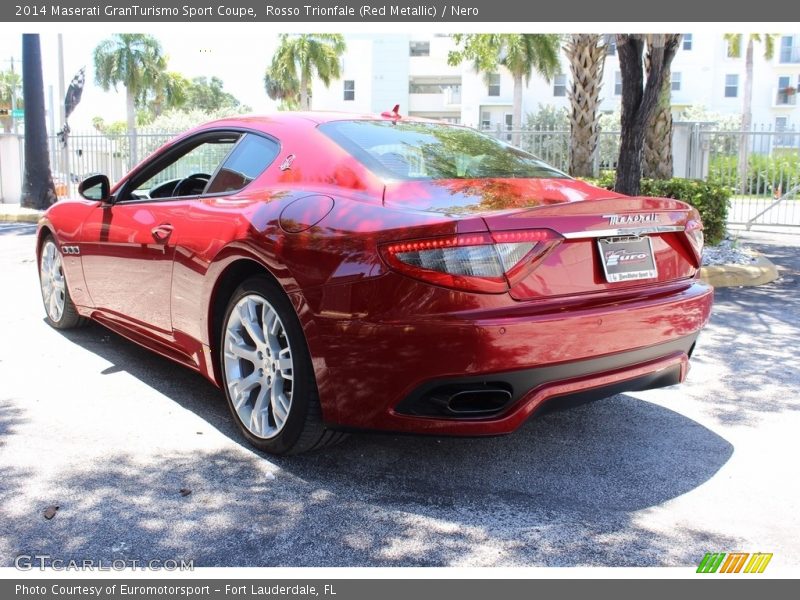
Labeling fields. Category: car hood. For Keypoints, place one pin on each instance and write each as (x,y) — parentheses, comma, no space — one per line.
(478,196)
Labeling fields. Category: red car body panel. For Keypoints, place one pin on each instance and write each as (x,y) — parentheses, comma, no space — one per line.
(375,335)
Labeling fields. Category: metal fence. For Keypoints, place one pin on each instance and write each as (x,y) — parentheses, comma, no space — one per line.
(765,187)
(88,153)
(762,168)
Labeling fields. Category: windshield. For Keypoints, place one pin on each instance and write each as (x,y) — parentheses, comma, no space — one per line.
(413,150)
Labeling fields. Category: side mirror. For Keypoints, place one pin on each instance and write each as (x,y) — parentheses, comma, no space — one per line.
(95,187)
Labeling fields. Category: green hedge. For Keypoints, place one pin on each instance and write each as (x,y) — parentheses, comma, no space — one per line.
(765,174)
(710,199)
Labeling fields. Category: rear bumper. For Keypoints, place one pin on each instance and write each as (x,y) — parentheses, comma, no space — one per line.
(531,389)
(389,375)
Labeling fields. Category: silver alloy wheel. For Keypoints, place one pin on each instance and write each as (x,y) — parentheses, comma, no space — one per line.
(258,366)
(54,286)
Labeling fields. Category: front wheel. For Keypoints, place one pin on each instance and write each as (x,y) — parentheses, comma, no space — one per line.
(61,312)
(267,373)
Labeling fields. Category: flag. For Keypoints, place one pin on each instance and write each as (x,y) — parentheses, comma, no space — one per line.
(71,100)
(74,92)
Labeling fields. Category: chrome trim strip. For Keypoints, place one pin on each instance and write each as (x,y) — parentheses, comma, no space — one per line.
(571,235)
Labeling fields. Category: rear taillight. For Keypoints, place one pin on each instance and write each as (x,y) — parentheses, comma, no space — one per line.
(694,233)
(481,262)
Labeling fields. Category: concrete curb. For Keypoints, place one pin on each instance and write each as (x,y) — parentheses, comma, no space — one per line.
(14,213)
(760,272)
(20,218)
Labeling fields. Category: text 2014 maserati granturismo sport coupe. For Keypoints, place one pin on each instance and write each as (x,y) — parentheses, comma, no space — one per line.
(333,272)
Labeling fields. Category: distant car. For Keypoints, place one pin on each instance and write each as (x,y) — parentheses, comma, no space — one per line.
(333,272)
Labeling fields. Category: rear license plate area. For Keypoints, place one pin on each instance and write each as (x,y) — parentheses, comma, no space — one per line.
(627,258)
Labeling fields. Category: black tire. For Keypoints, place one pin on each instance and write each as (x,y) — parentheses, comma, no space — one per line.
(69,318)
(303,429)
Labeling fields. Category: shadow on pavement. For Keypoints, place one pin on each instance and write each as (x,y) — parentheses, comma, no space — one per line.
(385,500)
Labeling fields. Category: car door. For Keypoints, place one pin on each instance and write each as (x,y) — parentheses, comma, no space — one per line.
(128,246)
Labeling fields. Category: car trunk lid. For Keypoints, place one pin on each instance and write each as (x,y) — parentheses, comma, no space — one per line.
(608,242)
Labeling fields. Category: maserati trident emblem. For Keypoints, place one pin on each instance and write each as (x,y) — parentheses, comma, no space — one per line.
(637,219)
(287,162)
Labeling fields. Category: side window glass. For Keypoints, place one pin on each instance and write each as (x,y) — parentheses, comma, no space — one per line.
(188,173)
(248,160)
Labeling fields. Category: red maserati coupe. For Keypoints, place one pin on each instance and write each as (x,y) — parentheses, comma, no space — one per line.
(333,272)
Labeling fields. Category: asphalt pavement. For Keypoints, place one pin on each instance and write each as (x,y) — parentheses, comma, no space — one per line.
(111,434)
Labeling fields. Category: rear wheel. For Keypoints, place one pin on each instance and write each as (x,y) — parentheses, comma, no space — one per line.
(267,373)
(61,312)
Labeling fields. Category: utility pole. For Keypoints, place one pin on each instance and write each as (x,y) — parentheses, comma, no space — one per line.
(62,94)
(13,97)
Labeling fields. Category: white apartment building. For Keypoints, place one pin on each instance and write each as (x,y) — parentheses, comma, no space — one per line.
(380,71)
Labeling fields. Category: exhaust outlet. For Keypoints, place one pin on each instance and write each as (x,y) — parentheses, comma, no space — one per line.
(471,402)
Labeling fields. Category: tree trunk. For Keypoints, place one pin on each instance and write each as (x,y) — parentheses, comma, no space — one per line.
(586,60)
(639,100)
(131,106)
(305,96)
(516,116)
(657,162)
(747,116)
(38,190)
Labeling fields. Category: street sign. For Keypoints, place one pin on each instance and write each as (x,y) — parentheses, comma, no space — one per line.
(18,113)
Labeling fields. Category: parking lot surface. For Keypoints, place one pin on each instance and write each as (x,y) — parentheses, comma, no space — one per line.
(111,434)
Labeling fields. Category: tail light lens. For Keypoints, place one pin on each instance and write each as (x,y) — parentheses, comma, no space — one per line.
(481,262)
(694,233)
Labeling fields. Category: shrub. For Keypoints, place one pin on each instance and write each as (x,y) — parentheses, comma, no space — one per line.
(766,175)
(710,199)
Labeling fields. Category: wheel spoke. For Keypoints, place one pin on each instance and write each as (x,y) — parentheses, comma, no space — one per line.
(238,348)
(240,388)
(260,414)
(280,406)
(247,314)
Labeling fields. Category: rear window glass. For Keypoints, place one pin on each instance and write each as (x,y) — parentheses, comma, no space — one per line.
(413,150)
(247,161)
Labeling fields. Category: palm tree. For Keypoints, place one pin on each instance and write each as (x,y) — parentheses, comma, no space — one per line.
(657,159)
(299,58)
(10,83)
(735,51)
(171,90)
(639,100)
(38,190)
(520,53)
(134,60)
(586,54)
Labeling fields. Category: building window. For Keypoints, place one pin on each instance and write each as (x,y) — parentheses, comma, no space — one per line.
(494,84)
(419,49)
(781,126)
(349,89)
(486,120)
(790,52)
(787,94)
(560,85)
(509,120)
(687,41)
(731,86)
(618,83)
(676,81)
(611,44)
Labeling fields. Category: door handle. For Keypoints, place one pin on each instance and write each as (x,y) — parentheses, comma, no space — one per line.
(162,232)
